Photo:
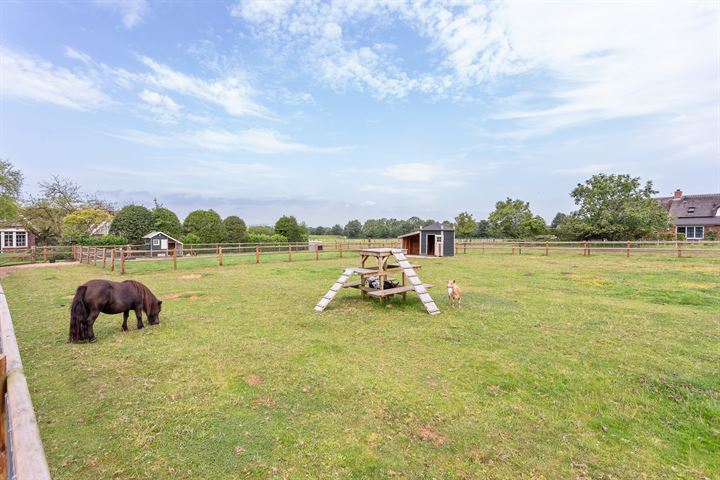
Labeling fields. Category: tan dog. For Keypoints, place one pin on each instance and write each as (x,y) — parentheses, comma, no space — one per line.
(454,293)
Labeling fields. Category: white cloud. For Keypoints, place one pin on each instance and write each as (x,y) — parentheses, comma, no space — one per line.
(32,78)
(251,140)
(132,11)
(159,100)
(232,92)
(76,55)
(415,172)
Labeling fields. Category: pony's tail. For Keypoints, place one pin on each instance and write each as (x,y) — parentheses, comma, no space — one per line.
(78,316)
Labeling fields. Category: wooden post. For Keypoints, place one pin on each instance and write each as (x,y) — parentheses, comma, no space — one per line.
(289,253)
(257,254)
(122,261)
(175,258)
(317,252)
(104,257)
(112,259)
(519,248)
(88,256)
(679,250)
(45,254)
(341,248)
(95,256)
(220,255)
(585,248)
(513,250)
(628,248)
(547,250)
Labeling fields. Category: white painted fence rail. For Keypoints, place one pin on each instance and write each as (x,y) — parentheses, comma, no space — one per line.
(26,457)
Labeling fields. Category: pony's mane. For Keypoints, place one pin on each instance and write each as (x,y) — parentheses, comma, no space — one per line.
(148,298)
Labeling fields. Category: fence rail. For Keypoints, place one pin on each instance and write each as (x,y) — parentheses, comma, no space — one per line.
(21,439)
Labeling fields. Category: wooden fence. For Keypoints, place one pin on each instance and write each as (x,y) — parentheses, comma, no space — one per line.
(23,457)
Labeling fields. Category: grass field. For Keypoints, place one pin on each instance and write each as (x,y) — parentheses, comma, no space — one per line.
(555,367)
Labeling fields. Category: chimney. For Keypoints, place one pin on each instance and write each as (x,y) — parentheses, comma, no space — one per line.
(678,194)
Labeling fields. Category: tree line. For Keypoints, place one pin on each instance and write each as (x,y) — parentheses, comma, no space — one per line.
(611,207)
(63,213)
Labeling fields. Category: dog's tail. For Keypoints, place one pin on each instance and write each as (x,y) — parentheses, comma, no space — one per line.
(78,316)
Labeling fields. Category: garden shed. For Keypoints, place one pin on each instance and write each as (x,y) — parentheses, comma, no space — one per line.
(435,240)
(161,244)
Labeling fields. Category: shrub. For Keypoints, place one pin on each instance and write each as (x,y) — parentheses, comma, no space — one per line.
(191,239)
(236,230)
(105,240)
(165,220)
(265,238)
(711,235)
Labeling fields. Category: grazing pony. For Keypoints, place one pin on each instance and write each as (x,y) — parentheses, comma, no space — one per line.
(104,296)
(454,293)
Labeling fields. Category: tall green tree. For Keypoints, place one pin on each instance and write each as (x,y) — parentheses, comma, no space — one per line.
(465,225)
(207,225)
(615,207)
(165,220)
(353,229)
(558,220)
(236,229)
(514,219)
(482,229)
(337,229)
(78,225)
(133,222)
(11,180)
(288,227)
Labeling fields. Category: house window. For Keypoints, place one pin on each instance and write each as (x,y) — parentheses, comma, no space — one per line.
(156,242)
(691,209)
(20,239)
(8,239)
(692,233)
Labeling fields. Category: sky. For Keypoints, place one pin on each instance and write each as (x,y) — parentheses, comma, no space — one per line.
(331,111)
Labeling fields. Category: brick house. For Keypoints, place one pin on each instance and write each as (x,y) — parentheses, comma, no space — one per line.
(15,238)
(695,215)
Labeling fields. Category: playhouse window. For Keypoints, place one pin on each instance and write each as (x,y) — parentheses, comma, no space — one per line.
(156,242)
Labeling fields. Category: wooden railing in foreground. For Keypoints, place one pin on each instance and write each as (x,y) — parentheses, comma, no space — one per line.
(24,450)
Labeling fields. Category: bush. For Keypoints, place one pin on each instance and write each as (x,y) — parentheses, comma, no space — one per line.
(236,230)
(165,220)
(105,240)
(711,235)
(681,237)
(191,239)
(265,238)
(288,227)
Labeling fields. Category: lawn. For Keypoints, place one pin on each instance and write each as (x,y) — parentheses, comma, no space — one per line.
(555,367)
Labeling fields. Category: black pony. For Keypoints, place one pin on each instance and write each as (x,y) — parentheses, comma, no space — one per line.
(104,296)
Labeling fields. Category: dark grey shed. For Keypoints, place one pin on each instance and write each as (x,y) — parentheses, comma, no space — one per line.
(161,244)
(433,241)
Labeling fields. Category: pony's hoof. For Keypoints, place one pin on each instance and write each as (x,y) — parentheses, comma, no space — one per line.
(92,340)
(140,327)
(124,329)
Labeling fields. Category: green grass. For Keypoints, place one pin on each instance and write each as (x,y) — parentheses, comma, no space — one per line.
(555,367)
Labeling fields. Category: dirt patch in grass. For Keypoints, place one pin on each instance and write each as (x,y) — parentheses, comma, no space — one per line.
(429,433)
(170,296)
(264,401)
(191,276)
(254,379)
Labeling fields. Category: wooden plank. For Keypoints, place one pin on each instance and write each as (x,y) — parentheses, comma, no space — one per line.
(415,280)
(351,285)
(394,291)
(425,297)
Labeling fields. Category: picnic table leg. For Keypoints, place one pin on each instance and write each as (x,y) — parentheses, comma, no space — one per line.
(403,284)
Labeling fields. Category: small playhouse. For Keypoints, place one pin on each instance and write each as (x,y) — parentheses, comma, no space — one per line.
(161,244)
(433,241)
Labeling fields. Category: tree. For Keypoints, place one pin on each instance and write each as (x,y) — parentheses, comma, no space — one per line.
(482,229)
(133,222)
(513,219)
(78,225)
(615,207)
(11,180)
(374,228)
(236,229)
(207,225)
(288,227)
(337,229)
(261,230)
(353,229)
(191,239)
(558,220)
(465,224)
(165,220)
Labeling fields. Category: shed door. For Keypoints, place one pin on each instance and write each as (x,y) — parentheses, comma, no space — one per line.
(439,246)
(163,244)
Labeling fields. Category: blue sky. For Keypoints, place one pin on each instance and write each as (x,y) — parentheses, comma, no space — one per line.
(339,110)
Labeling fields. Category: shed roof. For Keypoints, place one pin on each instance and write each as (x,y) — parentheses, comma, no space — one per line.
(155,234)
(437,226)
(700,205)
(416,232)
